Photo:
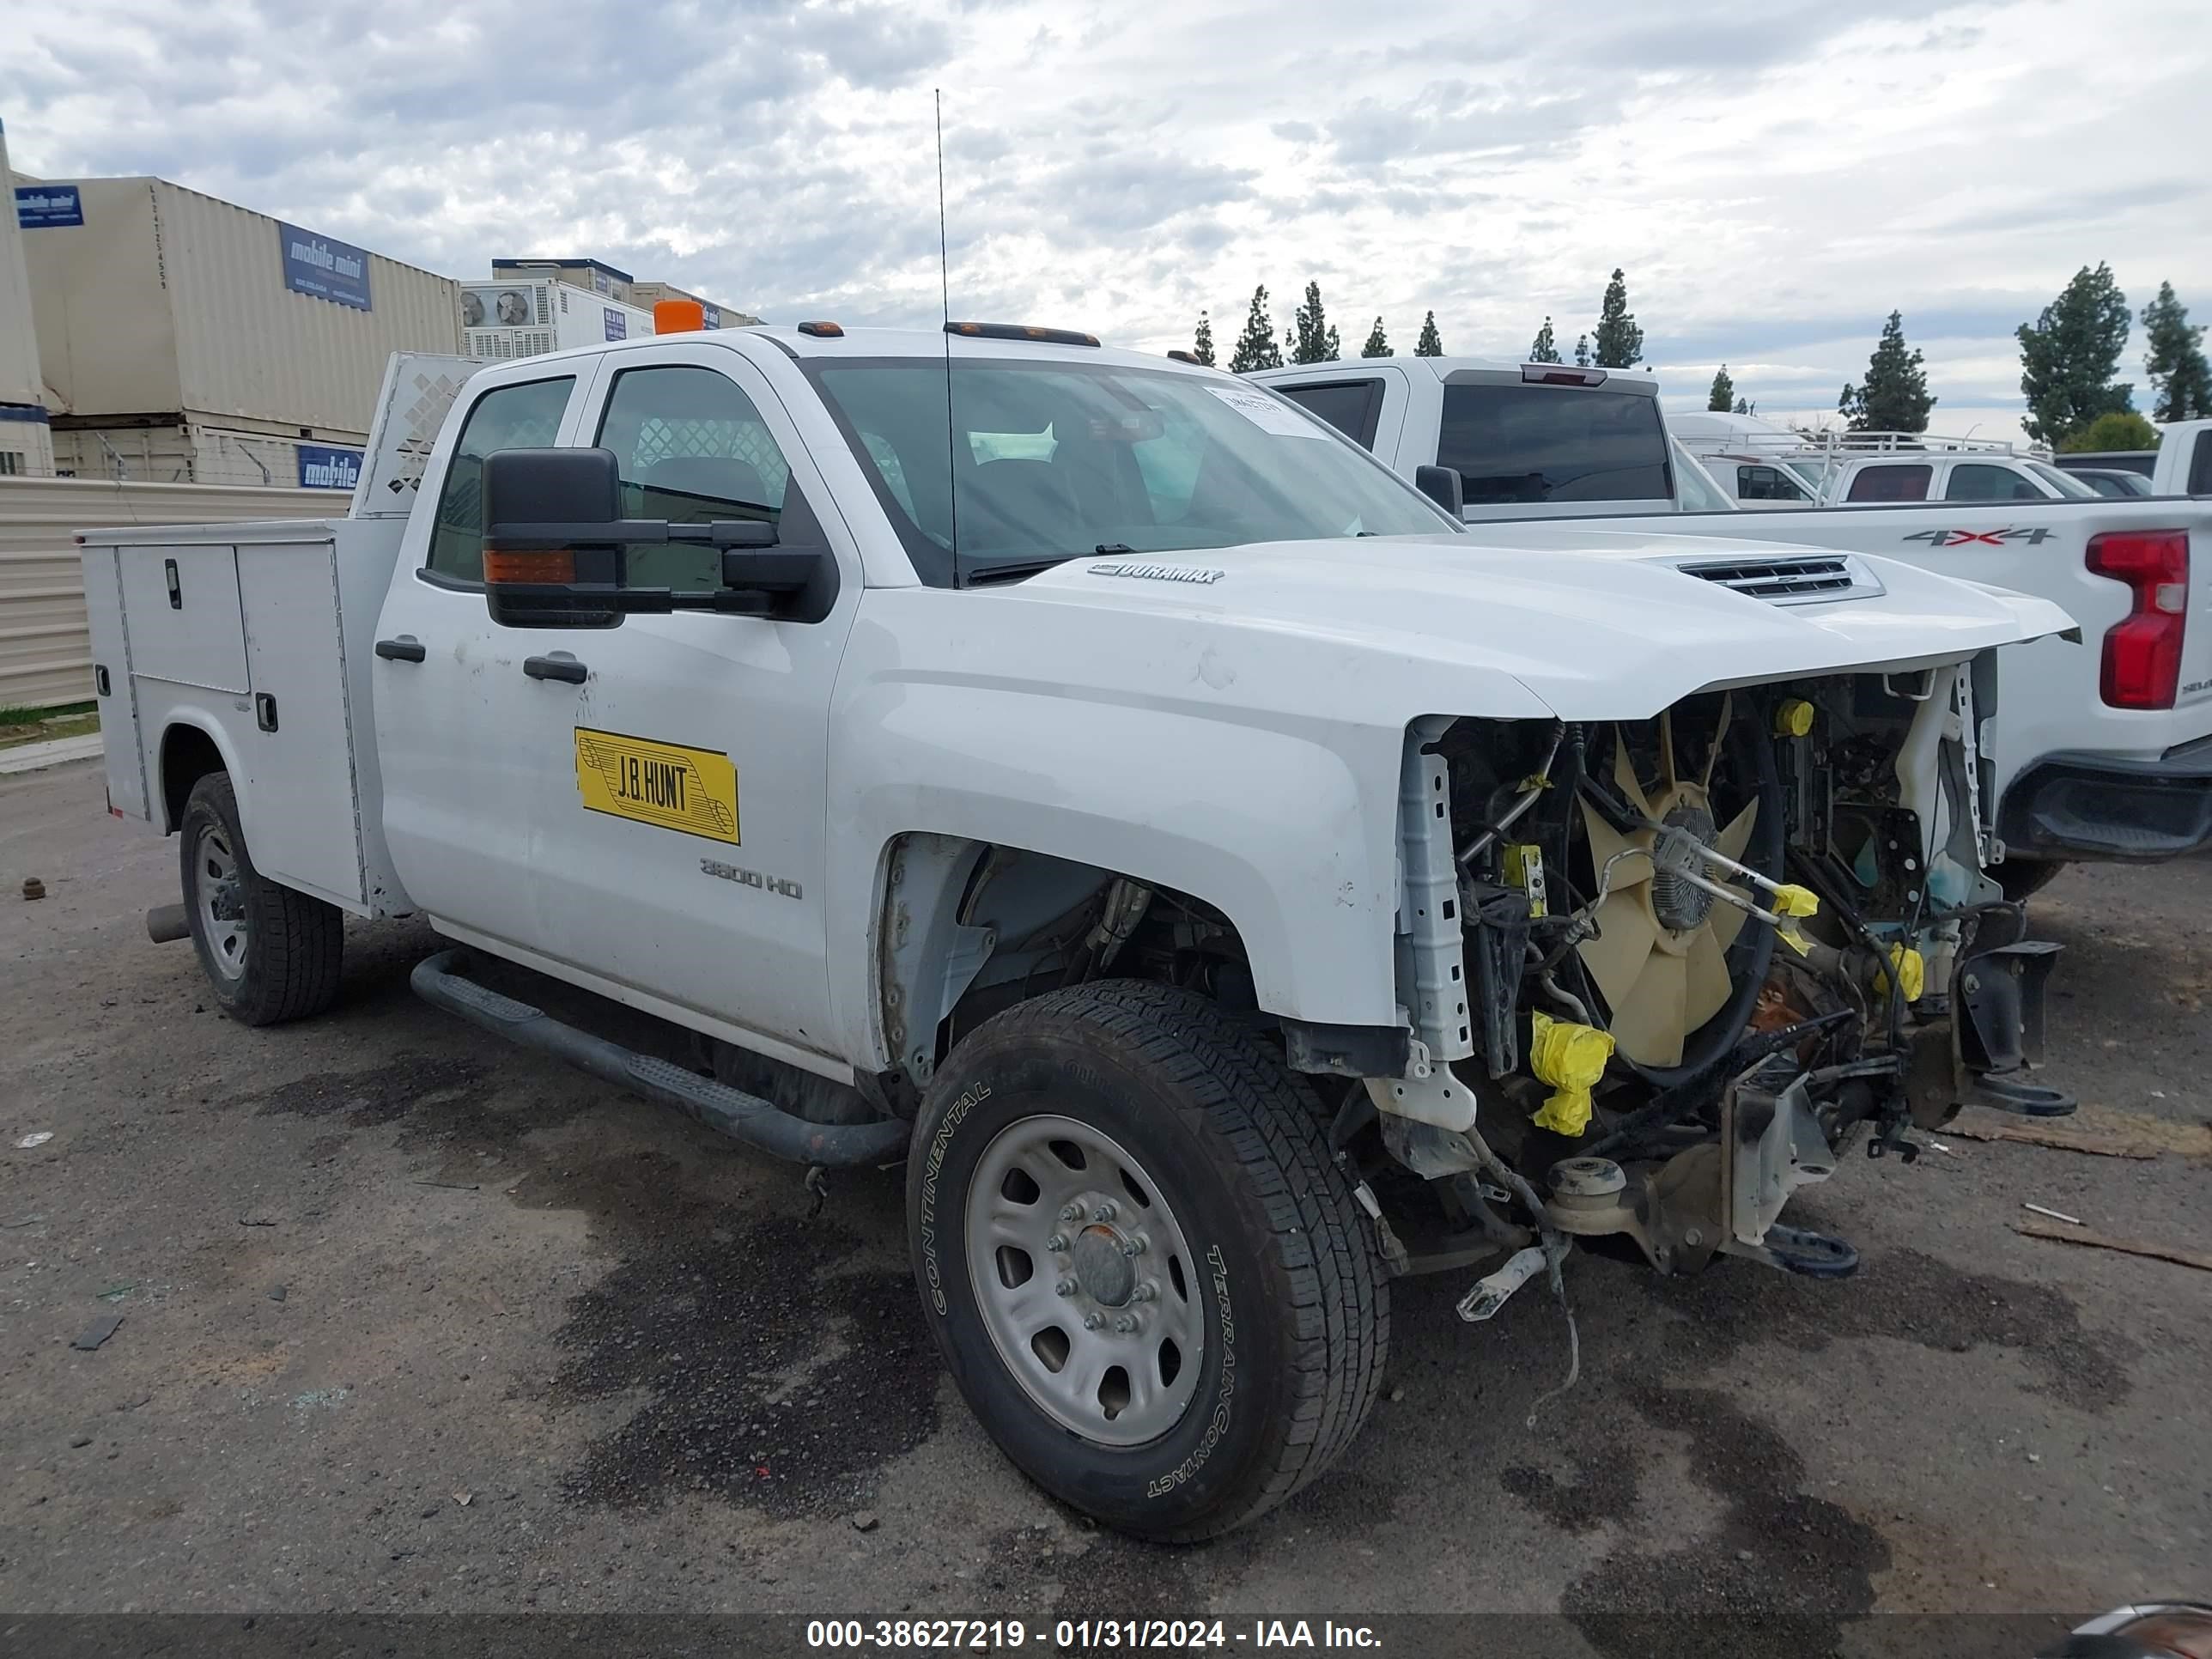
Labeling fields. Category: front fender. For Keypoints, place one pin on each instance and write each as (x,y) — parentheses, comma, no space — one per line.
(1291,836)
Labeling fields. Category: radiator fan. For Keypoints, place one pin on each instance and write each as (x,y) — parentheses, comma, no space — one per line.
(1660,956)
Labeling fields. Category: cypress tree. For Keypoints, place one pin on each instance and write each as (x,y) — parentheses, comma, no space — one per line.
(1432,343)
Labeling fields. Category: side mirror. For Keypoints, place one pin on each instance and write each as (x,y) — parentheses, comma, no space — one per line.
(1442,485)
(556,548)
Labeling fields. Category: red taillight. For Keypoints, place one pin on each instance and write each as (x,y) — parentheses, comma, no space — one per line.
(2142,654)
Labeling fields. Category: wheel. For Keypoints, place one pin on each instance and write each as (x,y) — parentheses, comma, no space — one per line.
(1140,1260)
(271,953)
(2023,878)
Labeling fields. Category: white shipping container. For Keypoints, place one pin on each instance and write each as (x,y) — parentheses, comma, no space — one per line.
(532,315)
(167,301)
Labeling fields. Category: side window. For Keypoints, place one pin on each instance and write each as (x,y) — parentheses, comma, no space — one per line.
(1353,407)
(1766,483)
(526,417)
(693,449)
(1971,481)
(1891,483)
(2199,466)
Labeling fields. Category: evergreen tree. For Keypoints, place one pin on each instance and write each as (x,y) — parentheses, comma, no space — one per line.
(1544,349)
(2174,361)
(1335,346)
(1255,347)
(1311,339)
(1895,396)
(1582,352)
(1201,343)
(1618,343)
(1744,406)
(2068,357)
(1431,344)
(2113,429)
(1379,344)
(1723,396)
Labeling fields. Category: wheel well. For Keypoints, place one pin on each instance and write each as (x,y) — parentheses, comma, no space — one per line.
(188,754)
(971,927)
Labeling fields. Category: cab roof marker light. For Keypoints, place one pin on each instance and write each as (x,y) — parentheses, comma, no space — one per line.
(1020,331)
(679,316)
(823,330)
(1186,357)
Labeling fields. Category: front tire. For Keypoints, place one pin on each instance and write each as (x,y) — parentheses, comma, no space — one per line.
(2023,878)
(1140,1262)
(271,953)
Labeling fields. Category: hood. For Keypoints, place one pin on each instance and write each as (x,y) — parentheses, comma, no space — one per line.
(1593,624)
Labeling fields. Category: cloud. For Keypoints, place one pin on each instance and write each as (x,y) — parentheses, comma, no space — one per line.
(1774,180)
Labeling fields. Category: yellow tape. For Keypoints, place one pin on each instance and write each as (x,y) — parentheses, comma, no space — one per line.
(1571,1058)
(1912,973)
(693,792)
(1796,902)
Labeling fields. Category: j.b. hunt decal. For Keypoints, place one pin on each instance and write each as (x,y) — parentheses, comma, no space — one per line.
(2034,537)
(693,792)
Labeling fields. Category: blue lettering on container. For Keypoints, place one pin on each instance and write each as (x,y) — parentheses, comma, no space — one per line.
(617,324)
(324,468)
(41,207)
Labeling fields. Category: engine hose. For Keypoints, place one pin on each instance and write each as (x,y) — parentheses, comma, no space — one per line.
(1661,1106)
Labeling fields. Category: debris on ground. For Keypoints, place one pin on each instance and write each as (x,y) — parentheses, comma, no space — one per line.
(254,1221)
(2104,1131)
(278,1292)
(37,1137)
(116,1292)
(2056,1215)
(33,888)
(98,1332)
(463,1499)
(79,1442)
(864,1521)
(2080,1235)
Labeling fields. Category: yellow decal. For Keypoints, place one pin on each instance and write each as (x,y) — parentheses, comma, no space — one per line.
(692,791)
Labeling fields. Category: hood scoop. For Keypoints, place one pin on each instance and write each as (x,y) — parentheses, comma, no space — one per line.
(1814,578)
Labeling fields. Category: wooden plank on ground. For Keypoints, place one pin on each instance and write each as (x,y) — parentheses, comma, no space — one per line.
(2097,1241)
(2105,1131)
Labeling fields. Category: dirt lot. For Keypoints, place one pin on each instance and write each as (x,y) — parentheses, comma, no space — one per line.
(413,1322)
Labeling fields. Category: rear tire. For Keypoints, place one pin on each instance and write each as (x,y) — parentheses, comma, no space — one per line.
(1203,1179)
(2023,878)
(271,953)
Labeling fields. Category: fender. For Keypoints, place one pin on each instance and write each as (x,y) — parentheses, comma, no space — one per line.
(166,709)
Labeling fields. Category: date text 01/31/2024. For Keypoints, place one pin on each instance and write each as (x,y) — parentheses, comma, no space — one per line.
(1083,1635)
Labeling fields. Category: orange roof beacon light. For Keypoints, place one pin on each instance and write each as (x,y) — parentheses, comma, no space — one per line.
(679,316)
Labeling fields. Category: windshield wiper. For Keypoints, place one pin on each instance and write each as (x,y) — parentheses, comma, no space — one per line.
(1113,547)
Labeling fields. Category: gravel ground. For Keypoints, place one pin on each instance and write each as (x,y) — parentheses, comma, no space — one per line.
(412,1321)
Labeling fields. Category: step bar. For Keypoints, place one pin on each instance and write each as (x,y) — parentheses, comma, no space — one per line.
(438,981)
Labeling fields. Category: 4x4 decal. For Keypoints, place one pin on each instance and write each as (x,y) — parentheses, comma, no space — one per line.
(2034,538)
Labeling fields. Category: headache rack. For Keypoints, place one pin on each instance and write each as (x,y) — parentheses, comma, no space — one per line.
(1811,578)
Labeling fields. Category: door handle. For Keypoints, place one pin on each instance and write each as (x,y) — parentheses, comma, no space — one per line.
(554,668)
(405,649)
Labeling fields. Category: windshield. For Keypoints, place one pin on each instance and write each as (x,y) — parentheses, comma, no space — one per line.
(1060,460)
(1695,490)
(1813,473)
(2064,482)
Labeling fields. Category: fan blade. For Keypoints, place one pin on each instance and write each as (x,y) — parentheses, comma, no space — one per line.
(1720,731)
(1605,841)
(1709,985)
(1616,956)
(1649,1024)
(1725,922)
(1731,841)
(1624,775)
(1669,775)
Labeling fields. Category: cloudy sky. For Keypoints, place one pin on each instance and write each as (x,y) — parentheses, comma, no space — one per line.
(1774,177)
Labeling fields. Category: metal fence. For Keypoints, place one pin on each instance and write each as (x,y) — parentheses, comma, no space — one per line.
(46,653)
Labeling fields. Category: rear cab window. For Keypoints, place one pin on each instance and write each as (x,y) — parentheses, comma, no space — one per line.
(1891,482)
(1512,442)
(1353,407)
(1977,481)
(521,416)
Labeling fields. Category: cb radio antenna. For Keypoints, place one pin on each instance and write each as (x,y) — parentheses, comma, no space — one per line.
(945,292)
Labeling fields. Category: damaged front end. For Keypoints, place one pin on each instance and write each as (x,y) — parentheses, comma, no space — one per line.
(1662,973)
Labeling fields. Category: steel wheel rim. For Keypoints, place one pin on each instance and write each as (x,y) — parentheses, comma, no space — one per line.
(217,896)
(1084,1280)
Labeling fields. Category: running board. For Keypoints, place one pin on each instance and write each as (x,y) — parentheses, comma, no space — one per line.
(758,1122)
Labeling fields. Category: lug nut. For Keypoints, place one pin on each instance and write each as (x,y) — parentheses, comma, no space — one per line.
(1105,1212)
(1091,1321)
(1056,1243)
(1125,1326)
(1135,1245)
(1066,1288)
(1072,1213)
(1147,1291)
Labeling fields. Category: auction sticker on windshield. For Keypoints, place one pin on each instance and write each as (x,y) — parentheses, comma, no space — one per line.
(693,792)
(1270,413)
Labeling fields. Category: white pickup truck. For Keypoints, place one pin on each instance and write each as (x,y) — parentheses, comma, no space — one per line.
(1225,880)
(2098,753)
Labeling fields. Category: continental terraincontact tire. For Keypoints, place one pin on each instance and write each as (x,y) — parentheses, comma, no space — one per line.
(1149,1277)
(271,953)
